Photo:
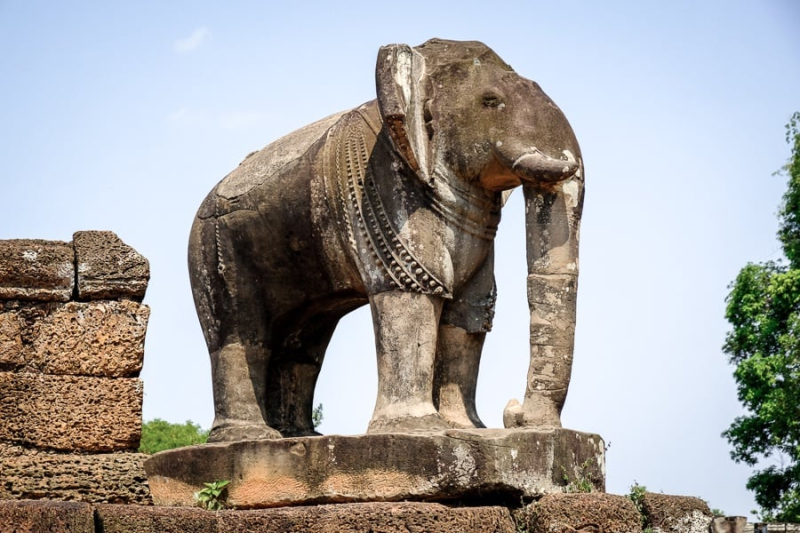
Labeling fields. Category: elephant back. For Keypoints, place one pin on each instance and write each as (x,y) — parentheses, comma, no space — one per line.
(259,166)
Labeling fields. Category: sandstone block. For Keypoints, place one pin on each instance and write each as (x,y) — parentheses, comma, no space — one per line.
(10,341)
(684,514)
(108,268)
(103,338)
(139,519)
(403,517)
(452,465)
(70,413)
(99,478)
(32,269)
(37,517)
(580,512)
(383,517)
(761,527)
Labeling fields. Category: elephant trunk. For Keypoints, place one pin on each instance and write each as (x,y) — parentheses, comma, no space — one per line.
(552,219)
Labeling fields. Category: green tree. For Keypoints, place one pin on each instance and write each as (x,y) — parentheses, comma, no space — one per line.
(316,416)
(158,435)
(764,309)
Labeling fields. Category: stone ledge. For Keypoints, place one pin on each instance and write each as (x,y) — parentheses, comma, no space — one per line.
(584,512)
(70,413)
(138,519)
(71,517)
(457,465)
(384,517)
(686,514)
(96,265)
(99,478)
(37,517)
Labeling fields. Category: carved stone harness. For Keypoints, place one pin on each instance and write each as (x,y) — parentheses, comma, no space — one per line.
(365,214)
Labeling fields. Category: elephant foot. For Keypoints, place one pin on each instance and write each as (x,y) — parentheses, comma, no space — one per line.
(232,433)
(538,412)
(461,420)
(432,423)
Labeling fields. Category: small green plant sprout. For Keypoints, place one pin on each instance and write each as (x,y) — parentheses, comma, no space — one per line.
(718,512)
(637,497)
(212,498)
(582,483)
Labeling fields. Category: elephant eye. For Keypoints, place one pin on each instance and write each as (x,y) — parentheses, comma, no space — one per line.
(492,100)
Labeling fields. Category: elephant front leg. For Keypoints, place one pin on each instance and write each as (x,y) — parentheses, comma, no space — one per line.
(406,326)
(551,351)
(464,323)
(457,361)
(552,218)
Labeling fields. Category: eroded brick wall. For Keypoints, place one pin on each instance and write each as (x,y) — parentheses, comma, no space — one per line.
(72,332)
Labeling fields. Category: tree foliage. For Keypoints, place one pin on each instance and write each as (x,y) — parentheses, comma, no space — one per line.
(316,416)
(764,309)
(159,435)
(789,232)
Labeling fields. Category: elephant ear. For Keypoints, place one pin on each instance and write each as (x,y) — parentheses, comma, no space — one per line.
(399,77)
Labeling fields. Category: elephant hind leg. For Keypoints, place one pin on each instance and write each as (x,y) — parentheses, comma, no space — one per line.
(234,323)
(237,370)
(294,369)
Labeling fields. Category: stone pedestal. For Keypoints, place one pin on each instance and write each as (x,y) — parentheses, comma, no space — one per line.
(489,465)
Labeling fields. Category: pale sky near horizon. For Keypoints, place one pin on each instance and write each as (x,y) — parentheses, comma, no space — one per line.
(123,116)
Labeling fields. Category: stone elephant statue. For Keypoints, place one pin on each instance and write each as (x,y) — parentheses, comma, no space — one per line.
(396,204)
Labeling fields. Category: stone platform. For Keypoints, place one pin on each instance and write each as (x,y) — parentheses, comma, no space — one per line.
(487,465)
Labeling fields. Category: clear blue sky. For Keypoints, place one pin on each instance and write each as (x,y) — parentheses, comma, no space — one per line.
(122,116)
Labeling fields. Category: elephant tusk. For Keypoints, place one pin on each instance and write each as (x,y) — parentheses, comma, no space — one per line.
(537,165)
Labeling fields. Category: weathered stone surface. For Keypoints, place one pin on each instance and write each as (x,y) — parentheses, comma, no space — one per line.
(383,517)
(99,478)
(355,518)
(761,527)
(104,338)
(728,524)
(108,268)
(580,513)
(454,465)
(70,413)
(38,517)
(684,514)
(139,519)
(32,269)
(10,341)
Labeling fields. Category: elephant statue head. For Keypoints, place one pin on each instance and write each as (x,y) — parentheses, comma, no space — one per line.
(458,106)
(394,203)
